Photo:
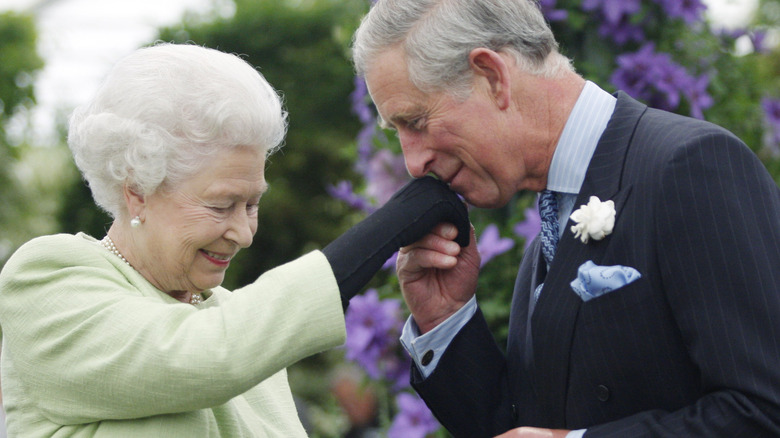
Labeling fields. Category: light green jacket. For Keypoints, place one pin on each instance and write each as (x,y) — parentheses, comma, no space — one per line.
(91,349)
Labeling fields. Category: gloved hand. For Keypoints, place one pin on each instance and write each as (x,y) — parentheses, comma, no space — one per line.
(410,214)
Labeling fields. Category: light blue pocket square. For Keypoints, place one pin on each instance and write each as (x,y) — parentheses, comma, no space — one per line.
(594,281)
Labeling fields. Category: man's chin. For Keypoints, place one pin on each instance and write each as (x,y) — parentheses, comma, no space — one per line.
(484,201)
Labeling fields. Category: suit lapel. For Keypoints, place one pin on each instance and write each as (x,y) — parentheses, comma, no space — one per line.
(528,276)
(554,318)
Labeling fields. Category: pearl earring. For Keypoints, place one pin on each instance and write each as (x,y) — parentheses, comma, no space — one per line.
(135,222)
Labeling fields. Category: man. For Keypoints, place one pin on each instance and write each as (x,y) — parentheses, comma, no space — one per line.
(659,317)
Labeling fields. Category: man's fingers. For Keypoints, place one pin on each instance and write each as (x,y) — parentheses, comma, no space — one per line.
(414,259)
(435,241)
(446,230)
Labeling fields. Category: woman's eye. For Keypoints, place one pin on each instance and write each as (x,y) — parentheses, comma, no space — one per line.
(252,208)
(220,210)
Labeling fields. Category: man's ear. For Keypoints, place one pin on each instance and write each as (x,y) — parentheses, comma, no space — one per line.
(135,202)
(493,67)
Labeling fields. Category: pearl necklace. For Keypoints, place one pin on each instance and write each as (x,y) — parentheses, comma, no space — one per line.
(109,244)
(195,298)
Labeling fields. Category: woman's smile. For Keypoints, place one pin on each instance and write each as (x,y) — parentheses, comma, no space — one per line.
(218,259)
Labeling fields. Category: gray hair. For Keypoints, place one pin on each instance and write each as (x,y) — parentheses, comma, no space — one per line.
(438,35)
(163,112)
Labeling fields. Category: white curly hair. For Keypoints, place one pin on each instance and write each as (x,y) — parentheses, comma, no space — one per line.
(163,112)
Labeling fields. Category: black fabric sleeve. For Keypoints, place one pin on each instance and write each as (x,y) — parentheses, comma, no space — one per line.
(409,215)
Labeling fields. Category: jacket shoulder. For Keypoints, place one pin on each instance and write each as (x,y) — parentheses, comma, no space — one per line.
(56,250)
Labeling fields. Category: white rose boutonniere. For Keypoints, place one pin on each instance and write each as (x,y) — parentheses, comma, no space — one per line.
(594,220)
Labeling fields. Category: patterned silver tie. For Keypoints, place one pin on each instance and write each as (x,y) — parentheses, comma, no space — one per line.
(548,211)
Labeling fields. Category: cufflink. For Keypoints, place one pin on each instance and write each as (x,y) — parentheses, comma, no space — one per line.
(427,358)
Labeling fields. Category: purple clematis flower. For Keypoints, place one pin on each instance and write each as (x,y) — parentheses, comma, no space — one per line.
(731,33)
(343,192)
(414,419)
(669,79)
(530,227)
(552,14)
(360,105)
(758,38)
(365,146)
(386,173)
(397,371)
(771,109)
(622,32)
(661,82)
(373,326)
(691,11)
(390,263)
(633,71)
(613,10)
(491,244)
(697,96)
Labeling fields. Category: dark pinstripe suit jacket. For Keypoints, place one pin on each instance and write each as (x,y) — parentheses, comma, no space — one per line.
(690,349)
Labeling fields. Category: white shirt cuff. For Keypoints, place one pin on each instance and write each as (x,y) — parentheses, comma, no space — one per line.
(427,349)
(576,433)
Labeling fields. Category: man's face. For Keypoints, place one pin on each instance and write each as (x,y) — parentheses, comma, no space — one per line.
(468,144)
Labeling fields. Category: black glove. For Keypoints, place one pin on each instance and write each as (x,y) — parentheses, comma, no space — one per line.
(410,214)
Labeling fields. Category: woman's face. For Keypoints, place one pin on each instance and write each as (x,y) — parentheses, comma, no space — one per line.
(192,231)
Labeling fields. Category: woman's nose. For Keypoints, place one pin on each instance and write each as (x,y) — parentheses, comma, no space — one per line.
(242,228)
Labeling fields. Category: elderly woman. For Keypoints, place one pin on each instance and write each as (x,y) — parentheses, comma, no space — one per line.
(130,335)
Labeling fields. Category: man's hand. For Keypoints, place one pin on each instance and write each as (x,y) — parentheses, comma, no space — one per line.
(437,275)
(411,213)
(532,432)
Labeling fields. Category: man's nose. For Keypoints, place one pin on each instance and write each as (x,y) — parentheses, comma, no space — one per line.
(418,158)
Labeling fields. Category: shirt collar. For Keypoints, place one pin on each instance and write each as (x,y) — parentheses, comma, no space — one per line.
(580,136)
